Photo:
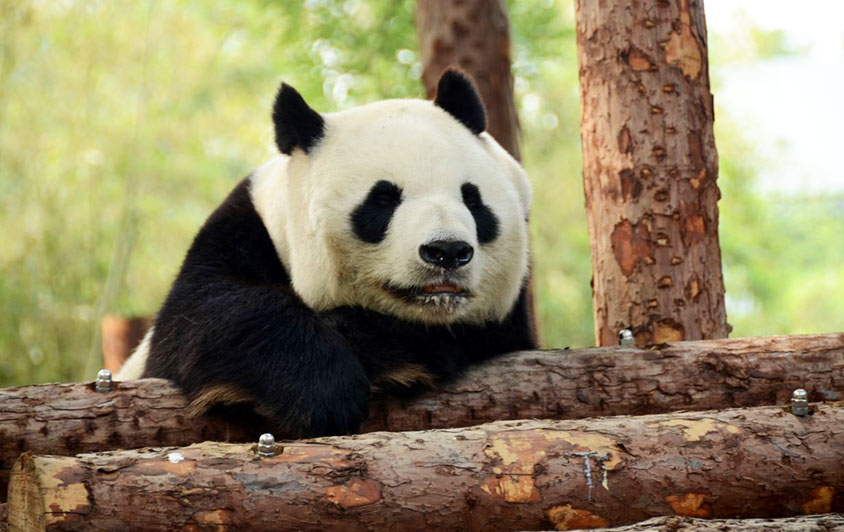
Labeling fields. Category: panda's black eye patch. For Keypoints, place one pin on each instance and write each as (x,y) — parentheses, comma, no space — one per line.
(371,218)
(485,220)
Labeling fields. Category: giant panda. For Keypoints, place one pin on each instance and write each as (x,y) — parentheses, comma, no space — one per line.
(385,247)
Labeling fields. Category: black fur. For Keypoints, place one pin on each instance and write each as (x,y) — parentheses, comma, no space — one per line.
(371,218)
(233,319)
(296,124)
(457,95)
(486,222)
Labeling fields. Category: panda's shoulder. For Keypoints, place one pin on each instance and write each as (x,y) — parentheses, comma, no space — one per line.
(234,240)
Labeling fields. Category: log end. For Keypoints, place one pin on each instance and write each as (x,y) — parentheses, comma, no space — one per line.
(25,506)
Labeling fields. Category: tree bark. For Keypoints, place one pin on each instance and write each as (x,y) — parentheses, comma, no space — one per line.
(4,518)
(531,475)
(649,171)
(809,523)
(73,418)
(612,381)
(474,35)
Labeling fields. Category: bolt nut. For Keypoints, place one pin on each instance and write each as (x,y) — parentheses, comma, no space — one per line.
(266,445)
(800,402)
(103,382)
(625,338)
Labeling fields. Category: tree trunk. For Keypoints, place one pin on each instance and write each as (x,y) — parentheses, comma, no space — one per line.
(69,419)
(531,475)
(809,523)
(649,171)
(474,35)
(121,335)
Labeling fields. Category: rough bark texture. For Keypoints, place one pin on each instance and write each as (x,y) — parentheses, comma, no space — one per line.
(121,335)
(809,523)
(69,419)
(530,475)
(73,418)
(474,35)
(612,381)
(649,171)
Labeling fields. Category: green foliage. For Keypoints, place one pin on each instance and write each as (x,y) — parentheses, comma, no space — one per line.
(748,42)
(782,256)
(123,124)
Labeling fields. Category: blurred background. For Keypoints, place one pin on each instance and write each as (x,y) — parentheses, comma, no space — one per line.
(123,124)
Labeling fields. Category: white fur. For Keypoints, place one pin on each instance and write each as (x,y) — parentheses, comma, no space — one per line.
(134,366)
(306,201)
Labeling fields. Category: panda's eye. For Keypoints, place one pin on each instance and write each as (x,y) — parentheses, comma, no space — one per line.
(471,196)
(384,199)
(385,194)
(371,218)
(485,220)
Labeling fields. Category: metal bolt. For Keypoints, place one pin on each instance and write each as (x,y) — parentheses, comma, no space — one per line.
(103,382)
(266,445)
(625,338)
(800,402)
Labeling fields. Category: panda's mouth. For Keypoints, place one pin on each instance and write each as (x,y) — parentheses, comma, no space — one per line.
(438,294)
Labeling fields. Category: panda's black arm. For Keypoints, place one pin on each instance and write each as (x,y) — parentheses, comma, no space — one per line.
(228,340)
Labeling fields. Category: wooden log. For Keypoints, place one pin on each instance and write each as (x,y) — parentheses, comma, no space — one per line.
(4,518)
(613,381)
(73,418)
(506,475)
(807,523)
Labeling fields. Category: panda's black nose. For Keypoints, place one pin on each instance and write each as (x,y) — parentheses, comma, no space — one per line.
(447,254)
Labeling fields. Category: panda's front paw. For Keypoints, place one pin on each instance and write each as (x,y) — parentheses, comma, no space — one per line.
(336,404)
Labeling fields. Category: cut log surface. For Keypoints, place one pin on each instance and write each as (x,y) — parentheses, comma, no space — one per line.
(808,523)
(69,419)
(507,475)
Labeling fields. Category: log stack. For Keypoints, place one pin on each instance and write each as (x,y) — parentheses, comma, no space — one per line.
(67,419)
(546,468)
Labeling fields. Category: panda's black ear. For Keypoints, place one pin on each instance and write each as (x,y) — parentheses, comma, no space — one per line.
(296,124)
(456,94)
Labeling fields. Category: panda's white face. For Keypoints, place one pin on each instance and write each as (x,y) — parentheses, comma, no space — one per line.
(401,209)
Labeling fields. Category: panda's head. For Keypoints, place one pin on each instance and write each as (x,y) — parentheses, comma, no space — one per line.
(405,207)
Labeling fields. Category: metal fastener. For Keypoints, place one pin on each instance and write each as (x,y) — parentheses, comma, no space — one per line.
(103,382)
(625,338)
(800,402)
(266,445)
